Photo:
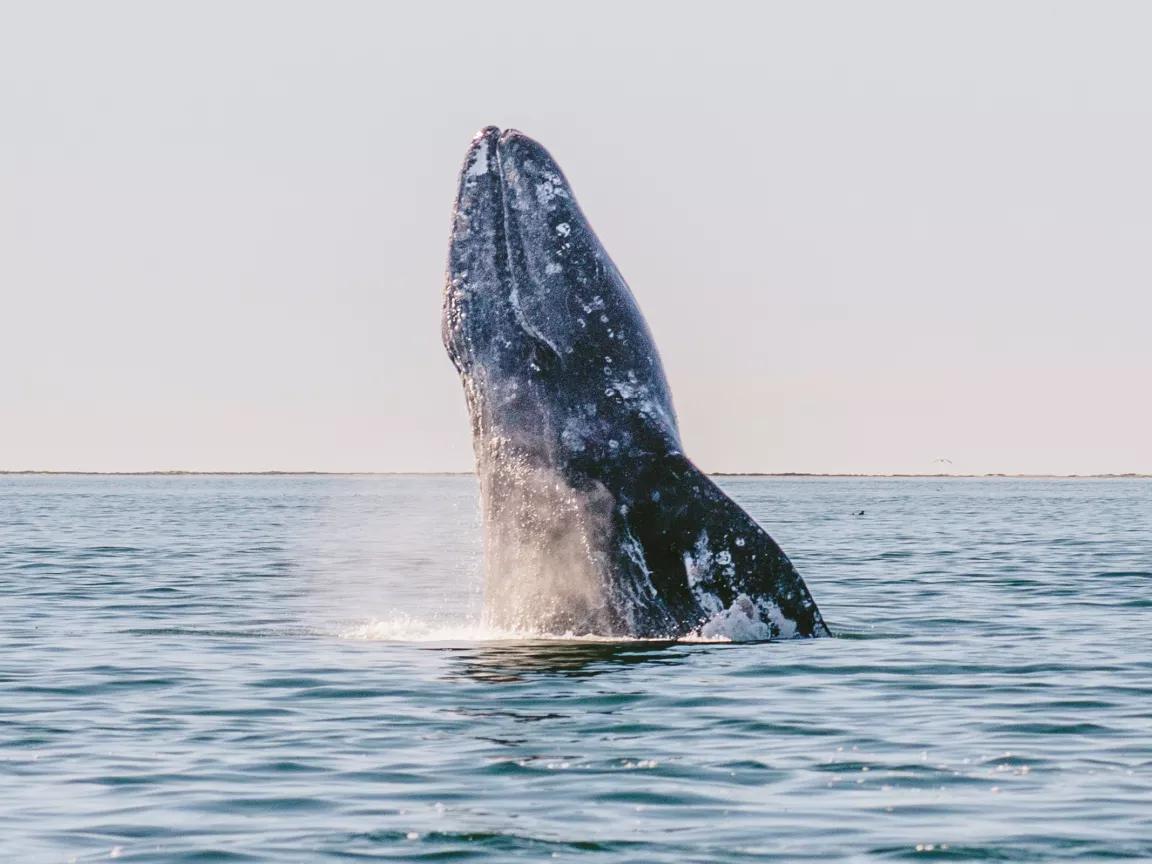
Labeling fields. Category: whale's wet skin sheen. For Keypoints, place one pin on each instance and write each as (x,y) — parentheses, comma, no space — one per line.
(595,522)
(288,669)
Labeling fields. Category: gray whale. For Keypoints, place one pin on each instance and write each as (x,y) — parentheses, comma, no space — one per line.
(595,521)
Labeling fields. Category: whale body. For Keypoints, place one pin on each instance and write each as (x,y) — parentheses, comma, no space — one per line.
(595,522)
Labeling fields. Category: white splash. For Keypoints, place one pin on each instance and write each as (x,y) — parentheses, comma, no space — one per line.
(740,622)
(405,628)
(409,629)
(745,619)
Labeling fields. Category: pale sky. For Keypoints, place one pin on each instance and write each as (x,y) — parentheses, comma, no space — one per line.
(866,236)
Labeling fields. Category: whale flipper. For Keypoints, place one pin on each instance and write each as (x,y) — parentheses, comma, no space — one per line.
(709,560)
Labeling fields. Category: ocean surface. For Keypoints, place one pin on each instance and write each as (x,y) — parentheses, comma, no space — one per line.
(202,669)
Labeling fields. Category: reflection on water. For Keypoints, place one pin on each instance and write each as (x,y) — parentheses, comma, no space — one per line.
(514,661)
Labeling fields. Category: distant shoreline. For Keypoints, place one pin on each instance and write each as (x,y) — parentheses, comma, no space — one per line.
(784,474)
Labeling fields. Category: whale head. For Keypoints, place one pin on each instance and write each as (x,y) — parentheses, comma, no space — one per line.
(557,360)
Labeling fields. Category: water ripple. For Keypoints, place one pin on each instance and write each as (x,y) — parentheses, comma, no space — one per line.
(293,669)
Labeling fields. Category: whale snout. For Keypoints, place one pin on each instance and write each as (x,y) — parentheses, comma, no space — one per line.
(522,156)
(527,278)
(495,148)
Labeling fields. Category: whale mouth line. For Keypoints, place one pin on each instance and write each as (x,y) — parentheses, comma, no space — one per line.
(497,133)
(494,136)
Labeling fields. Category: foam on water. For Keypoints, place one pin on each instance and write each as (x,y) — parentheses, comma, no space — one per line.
(408,628)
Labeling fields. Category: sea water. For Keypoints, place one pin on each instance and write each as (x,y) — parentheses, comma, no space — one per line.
(293,668)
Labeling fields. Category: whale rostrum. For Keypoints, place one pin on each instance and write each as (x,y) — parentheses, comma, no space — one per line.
(595,522)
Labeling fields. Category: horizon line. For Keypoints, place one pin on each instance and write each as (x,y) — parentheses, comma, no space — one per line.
(833,474)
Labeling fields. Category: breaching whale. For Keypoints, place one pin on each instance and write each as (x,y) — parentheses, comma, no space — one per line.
(595,522)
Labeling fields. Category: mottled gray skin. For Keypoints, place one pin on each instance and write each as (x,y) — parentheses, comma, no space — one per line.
(595,521)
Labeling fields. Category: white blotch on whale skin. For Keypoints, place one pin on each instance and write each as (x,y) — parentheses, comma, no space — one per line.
(552,268)
(698,562)
(594,306)
(704,566)
(563,229)
(739,541)
(630,391)
(480,167)
(551,187)
(572,436)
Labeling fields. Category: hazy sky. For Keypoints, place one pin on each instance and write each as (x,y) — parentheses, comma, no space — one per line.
(866,236)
